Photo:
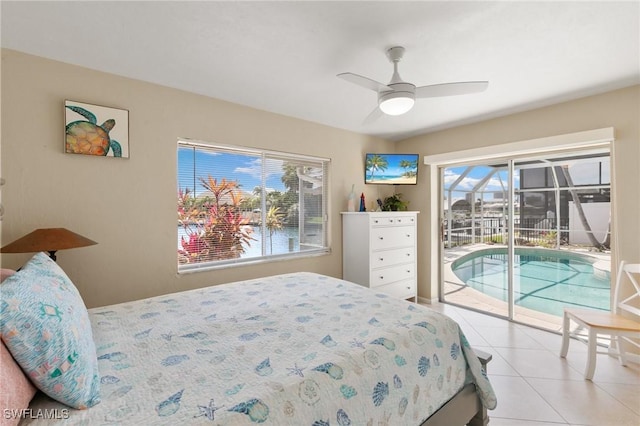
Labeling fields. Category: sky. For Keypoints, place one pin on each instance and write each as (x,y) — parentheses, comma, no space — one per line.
(582,172)
(451,174)
(242,168)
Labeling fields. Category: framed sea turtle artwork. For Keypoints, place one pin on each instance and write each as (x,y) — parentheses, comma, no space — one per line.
(96,130)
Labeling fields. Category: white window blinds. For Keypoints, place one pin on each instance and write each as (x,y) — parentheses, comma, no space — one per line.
(238,205)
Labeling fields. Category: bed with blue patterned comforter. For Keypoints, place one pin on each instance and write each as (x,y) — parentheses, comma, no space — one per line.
(293,349)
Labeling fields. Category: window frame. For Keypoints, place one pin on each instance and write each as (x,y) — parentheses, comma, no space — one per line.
(263,154)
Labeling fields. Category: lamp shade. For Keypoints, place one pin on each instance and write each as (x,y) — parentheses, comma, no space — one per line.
(397,102)
(47,239)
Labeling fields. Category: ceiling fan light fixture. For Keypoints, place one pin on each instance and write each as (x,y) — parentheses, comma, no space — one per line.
(398,96)
(396,103)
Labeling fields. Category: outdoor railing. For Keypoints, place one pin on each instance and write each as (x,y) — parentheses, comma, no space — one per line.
(528,231)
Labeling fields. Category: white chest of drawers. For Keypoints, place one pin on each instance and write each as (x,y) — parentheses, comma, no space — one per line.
(379,251)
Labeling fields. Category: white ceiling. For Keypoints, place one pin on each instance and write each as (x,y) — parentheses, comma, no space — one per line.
(284,56)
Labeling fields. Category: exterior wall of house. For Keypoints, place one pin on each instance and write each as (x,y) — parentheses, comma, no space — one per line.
(129,205)
(597,215)
(619,109)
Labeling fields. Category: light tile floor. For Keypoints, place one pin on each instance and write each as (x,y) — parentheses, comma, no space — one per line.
(535,387)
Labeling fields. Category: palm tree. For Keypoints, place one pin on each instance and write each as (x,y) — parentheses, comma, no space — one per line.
(274,199)
(274,223)
(289,177)
(376,162)
(406,164)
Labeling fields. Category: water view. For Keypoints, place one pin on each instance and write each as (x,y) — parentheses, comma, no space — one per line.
(285,240)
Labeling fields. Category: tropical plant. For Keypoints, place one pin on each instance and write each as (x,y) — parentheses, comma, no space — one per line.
(549,240)
(494,239)
(249,204)
(274,198)
(273,223)
(215,229)
(186,203)
(394,203)
(376,162)
(408,167)
(289,177)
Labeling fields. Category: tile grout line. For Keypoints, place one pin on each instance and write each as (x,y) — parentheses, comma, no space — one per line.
(532,388)
(523,329)
(520,376)
(582,374)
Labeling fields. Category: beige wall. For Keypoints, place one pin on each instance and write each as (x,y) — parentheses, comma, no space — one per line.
(619,109)
(129,206)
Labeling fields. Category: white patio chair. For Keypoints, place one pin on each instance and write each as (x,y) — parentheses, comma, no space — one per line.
(623,330)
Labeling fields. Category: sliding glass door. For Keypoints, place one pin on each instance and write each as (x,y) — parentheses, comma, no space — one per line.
(524,237)
(475,216)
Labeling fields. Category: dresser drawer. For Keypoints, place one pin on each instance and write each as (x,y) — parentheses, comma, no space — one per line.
(393,221)
(379,251)
(402,289)
(385,258)
(384,276)
(390,237)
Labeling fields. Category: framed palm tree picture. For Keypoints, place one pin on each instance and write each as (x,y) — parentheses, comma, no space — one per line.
(391,169)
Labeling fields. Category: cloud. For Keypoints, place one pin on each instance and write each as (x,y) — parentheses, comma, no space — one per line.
(470,181)
(254,168)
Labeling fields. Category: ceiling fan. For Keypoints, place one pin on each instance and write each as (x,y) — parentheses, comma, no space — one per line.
(398,97)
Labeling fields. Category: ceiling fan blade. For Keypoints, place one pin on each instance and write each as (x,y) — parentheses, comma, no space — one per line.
(451,89)
(365,82)
(373,116)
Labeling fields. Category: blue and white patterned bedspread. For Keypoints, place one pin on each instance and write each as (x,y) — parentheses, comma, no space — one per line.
(301,349)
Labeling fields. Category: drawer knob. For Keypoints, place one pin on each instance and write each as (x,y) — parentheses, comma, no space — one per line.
(408,271)
(381,259)
(382,238)
(381,277)
(408,254)
(408,287)
(408,235)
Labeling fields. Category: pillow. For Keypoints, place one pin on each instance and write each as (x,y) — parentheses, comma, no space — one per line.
(46,327)
(15,389)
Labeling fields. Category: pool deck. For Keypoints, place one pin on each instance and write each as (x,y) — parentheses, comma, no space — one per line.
(459,293)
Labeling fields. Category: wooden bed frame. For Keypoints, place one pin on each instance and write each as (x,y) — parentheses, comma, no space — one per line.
(465,408)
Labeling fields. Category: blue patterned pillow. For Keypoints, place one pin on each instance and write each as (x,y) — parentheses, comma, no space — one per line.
(46,327)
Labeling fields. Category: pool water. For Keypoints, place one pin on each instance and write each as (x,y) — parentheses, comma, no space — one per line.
(544,280)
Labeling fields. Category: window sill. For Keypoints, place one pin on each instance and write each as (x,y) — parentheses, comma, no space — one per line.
(234,263)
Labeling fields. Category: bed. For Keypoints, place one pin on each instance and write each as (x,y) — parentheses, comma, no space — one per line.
(301,348)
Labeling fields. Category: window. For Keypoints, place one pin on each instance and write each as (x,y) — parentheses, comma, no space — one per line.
(239,205)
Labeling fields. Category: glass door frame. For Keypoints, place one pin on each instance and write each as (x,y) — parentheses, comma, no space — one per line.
(511,162)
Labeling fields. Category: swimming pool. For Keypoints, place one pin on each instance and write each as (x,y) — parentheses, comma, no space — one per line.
(544,280)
